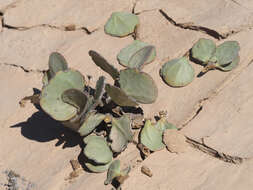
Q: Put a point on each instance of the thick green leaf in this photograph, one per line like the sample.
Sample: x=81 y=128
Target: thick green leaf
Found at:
x=177 y=72
x=97 y=168
x=203 y=50
x=120 y=133
x=104 y=65
x=151 y=137
x=121 y=24
x=56 y=63
x=134 y=56
x=75 y=98
x=231 y=66
x=227 y=52
x=91 y=121
x=51 y=100
x=100 y=86
x=141 y=57
x=163 y=124
x=138 y=85
x=113 y=171
x=97 y=150
x=119 y=96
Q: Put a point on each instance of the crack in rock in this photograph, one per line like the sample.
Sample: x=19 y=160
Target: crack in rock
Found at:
x=71 y=27
x=191 y=26
x=195 y=113
x=23 y=68
x=214 y=153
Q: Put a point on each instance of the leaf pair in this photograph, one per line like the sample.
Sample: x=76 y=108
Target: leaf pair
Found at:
x=151 y=135
x=114 y=171
x=62 y=97
x=98 y=151
x=135 y=86
x=224 y=57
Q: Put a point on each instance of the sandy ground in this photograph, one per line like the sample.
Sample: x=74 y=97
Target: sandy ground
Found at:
x=215 y=110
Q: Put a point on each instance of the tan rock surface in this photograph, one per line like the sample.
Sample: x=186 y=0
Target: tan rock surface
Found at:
x=39 y=149
x=191 y=170
x=31 y=48
x=89 y=14
x=225 y=122
x=216 y=16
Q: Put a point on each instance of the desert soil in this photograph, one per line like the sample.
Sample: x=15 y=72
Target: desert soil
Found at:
x=214 y=111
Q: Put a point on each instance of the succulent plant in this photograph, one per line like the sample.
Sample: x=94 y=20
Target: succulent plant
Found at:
x=177 y=72
x=120 y=133
x=136 y=55
x=64 y=99
x=98 y=151
x=224 y=57
x=135 y=86
x=151 y=137
x=114 y=171
x=121 y=24
x=163 y=125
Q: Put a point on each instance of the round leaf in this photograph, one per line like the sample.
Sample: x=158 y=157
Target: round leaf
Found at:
x=121 y=24
x=203 y=50
x=151 y=137
x=178 y=72
x=56 y=63
x=119 y=96
x=231 y=66
x=134 y=56
x=97 y=168
x=138 y=85
x=75 y=98
x=97 y=150
x=227 y=52
x=51 y=100
x=120 y=133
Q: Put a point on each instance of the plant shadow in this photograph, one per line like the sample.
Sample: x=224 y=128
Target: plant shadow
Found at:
x=41 y=127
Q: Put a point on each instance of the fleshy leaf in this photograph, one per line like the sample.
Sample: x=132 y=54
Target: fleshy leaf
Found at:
x=151 y=137
x=104 y=65
x=138 y=85
x=231 y=66
x=75 y=98
x=97 y=168
x=113 y=171
x=51 y=100
x=203 y=50
x=119 y=96
x=56 y=63
x=134 y=56
x=121 y=24
x=120 y=133
x=97 y=150
x=227 y=52
x=163 y=124
x=91 y=121
x=100 y=85
x=178 y=72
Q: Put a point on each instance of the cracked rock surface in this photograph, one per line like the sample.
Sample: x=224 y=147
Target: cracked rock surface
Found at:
x=213 y=112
